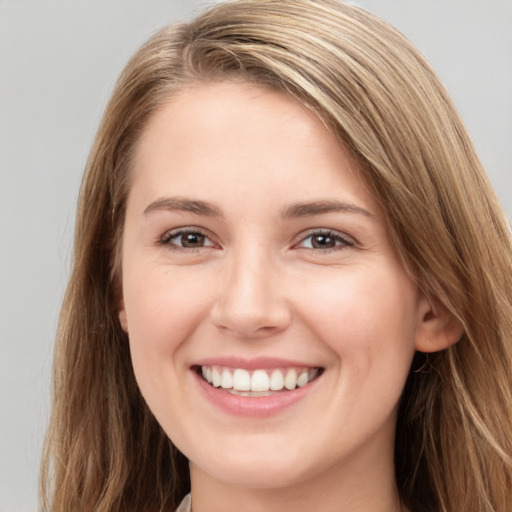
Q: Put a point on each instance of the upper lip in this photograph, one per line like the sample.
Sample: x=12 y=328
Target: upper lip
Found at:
x=255 y=363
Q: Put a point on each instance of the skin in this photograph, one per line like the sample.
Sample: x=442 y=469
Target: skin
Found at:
x=257 y=285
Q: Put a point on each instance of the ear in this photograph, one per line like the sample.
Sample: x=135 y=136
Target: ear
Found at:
x=438 y=328
x=123 y=320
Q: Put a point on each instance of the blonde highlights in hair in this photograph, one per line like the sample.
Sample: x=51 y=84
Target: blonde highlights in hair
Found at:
x=105 y=451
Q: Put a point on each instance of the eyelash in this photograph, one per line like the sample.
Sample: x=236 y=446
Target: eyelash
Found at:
x=180 y=232
x=341 y=241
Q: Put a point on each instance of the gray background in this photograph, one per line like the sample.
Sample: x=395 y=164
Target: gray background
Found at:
x=58 y=62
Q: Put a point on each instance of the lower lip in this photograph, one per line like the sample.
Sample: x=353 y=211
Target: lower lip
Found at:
x=253 y=406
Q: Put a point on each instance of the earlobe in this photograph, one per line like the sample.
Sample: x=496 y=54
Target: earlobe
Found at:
x=439 y=329
x=123 y=320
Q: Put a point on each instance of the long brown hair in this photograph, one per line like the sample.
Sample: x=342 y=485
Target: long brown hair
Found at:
x=105 y=451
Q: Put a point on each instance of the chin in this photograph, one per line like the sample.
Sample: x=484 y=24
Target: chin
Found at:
x=262 y=469
x=264 y=477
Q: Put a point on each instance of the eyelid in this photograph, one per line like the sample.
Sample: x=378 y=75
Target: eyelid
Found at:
x=346 y=240
x=165 y=239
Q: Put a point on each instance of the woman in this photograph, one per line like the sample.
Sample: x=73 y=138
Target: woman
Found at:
x=292 y=281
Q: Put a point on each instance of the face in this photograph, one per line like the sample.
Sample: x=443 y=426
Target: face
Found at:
x=271 y=324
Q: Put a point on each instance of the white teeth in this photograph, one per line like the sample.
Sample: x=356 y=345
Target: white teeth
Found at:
x=276 y=380
x=250 y=393
x=241 y=380
x=227 y=379
x=303 y=379
x=216 y=378
x=260 y=381
x=290 y=381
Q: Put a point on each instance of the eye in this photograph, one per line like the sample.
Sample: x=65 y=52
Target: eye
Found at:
x=325 y=240
x=186 y=239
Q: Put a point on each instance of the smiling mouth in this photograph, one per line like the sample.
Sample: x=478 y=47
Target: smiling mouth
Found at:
x=264 y=382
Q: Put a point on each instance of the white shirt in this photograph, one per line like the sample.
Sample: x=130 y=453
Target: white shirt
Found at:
x=185 y=505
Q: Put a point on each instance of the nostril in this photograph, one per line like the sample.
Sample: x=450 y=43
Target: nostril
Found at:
x=251 y=302
x=247 y=322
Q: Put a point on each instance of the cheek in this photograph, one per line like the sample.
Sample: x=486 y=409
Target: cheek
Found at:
x=368 y=325
x=162 y=313
x=368 y=320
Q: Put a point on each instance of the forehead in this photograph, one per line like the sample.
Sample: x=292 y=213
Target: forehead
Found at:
x=238 y=138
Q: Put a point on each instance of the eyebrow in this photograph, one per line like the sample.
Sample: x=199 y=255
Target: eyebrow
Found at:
x=184 y=205
x=295 y=210
x=319 y=207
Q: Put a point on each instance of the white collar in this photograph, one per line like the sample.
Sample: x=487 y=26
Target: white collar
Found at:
x=185 y=505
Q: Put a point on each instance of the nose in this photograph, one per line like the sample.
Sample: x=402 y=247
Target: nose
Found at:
x=251 y=303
